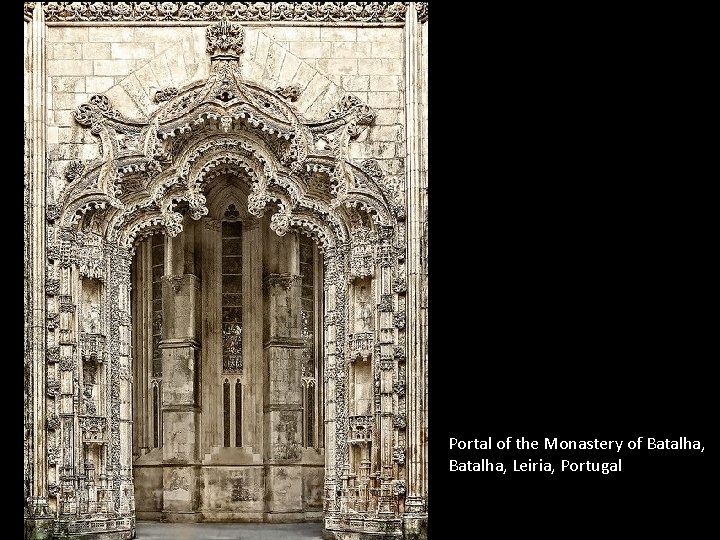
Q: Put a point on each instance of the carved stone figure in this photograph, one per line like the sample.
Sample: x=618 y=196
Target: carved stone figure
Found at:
x=363 y=311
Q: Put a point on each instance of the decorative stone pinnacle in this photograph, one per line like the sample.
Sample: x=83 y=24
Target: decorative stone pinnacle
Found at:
x=225 y=39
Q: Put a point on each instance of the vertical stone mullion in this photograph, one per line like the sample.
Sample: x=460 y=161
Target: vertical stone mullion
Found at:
x=147 y=345
x=319 y=348
x=384 y=416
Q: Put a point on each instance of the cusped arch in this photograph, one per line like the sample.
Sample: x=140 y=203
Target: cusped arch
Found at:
x=223 y=193
x=300 y=169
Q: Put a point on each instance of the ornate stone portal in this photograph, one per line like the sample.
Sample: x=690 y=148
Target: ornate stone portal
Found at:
x=154 y=177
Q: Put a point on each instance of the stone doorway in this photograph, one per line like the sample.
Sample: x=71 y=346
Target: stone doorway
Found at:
x=227 y=341
x=125 y=400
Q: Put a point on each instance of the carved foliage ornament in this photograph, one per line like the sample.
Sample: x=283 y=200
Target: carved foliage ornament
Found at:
x=225 y=39
x=93 y=113
x=52 y=354
x=284 y=281
x=381 y=12
x=165 y=94
x=74 y=170
x=291 y=93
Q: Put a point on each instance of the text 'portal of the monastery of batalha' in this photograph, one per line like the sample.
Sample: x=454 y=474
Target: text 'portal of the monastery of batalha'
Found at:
x=225 y=266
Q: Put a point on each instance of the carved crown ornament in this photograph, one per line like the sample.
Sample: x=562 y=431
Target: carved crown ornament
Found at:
x=149 y=166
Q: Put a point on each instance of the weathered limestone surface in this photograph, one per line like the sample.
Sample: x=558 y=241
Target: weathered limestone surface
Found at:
x=144 y=119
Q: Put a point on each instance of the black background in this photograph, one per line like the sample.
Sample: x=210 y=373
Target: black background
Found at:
x=571 y=264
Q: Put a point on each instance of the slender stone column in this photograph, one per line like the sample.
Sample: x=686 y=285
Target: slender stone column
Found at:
x=212 y=331
x=415 y=497
x=253 y=361
x=180 y=388
x=329 y=369
x=37 y=506
x=283 y=346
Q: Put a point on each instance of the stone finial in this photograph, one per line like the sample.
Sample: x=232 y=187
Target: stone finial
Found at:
x=225 y=39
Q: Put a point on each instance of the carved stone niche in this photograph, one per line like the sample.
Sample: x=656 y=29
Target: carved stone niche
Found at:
x=361 y=345
x=93 y=428
x=361 y=429
x=93 y=343
x=362 y=339
x=362 y=252
x=93 y=347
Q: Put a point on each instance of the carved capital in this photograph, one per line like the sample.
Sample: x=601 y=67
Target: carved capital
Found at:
x=362 y=253
x=280 y=223
x=256 y=204
x=211 y=224
x=52 y=286
x=399 y=285
x=53 y=320
x=52 y=354
x=175 y=282
x=67 y=363
x=93 y=347
x=386 y=364
x=53 y=422
x=399 y=387
x=38 y=507
x=29 y=8
x=422 y=11
x=52 y=387
x=66 y=304
x=283 y=281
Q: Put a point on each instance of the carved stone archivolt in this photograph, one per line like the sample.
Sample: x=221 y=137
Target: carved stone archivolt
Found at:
x=155 y=171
